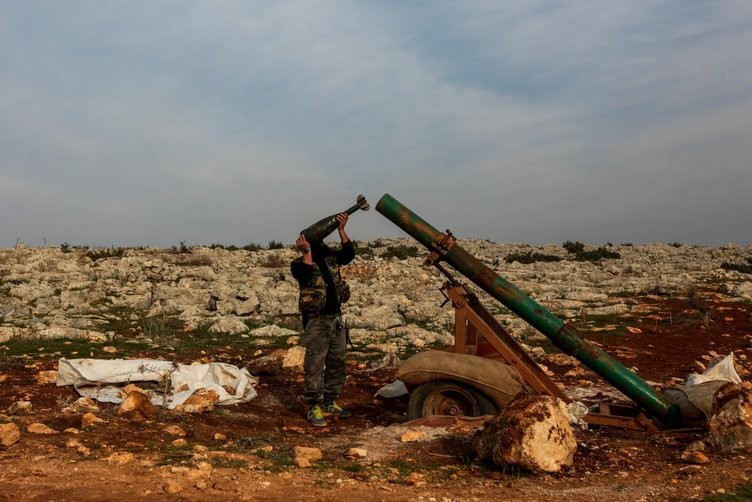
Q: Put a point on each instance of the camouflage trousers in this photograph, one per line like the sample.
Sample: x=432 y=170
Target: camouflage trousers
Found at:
x=324 y=364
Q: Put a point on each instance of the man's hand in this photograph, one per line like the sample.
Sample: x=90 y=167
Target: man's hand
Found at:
x=342 y=219
x=302 y=244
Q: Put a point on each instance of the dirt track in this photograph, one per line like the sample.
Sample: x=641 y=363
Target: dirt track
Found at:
x=244 y=451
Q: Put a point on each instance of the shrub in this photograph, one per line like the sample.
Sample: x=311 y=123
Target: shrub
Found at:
x=530 y=257
x=580 y=254
x=401 y=252
x=596 y=254
x=739 y=267
x=573 y=247
x=101 y=254
x=363 y=249
x=275 y=244
x=252 y=247
x=181 y=248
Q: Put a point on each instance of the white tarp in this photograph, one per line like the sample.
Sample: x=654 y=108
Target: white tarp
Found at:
x=695 y=397
x=102 y=379
x=721 y=370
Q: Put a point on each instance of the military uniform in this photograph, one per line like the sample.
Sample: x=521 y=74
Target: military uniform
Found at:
x=322 y=291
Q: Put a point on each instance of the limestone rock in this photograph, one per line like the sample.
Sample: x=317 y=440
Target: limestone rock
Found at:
x=82 y=404
x=20 y=408
x=695 y=457
x=136 y=405
x=174 y=430
x=730 y=429
x=412 y=436
x=354 y=453
x=533 y=432
x=172 y=487
x=89 y=419
x=294 y=358
x=9 y=434
x=121 y=457
x=228 y=326
x=45 y=377
x=267 y=365
x=200 y=401
x=39 y=428
x=304 y=456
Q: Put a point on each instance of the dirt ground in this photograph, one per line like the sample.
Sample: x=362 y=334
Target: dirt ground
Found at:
x=245 y=451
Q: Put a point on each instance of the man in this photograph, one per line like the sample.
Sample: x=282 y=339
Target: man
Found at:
x=322 y=291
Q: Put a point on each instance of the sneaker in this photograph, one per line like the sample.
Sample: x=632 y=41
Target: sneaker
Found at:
x=316 y=416
x=335 y=409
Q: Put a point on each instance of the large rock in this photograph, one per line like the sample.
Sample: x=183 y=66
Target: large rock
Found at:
x=136 y=405
x=9 y=434
x=730 y=428
x=304 y=456
x=533 y=432
x=200 y=401
x=229 y=326
x=294 y=358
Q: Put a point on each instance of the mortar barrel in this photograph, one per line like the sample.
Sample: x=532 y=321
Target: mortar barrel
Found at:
x=564 y=336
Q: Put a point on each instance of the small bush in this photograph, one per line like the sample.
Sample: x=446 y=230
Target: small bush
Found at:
x=596 y=254
x=573 y=247
x=530 y=257
x=739 y=267
x=252 y=247
x=401 y=252
x=275 y=244
x=181 y=248
x=580 y=254
x=101 y=254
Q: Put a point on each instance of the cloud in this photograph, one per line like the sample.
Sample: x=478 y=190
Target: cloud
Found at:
x=150 y=123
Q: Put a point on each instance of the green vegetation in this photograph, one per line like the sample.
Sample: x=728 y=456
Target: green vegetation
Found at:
x=363 y=249
x=275 y=244
x=530 y=257
x=401 y=252
x=740 y=494
x=104 y=253
x=581 y=254
x=177 y=455
x=573 y=247
x=228 y=463
x=596 y=254
x=745 y=268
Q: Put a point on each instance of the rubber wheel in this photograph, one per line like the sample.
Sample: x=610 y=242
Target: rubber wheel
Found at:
x=444 y=397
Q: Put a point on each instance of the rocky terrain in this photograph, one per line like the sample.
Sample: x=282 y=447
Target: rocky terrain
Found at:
x=395 y=303
x=663 y=310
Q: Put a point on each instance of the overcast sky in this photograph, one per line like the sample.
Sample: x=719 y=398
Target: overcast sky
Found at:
x=128 y=123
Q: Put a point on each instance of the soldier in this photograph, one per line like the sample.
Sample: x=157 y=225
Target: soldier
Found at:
x=322 y=291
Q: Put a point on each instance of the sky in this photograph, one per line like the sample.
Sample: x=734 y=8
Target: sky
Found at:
x=155 y=122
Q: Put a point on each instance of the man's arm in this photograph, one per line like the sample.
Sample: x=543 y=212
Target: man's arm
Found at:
x=302 y=270
x=347 y=253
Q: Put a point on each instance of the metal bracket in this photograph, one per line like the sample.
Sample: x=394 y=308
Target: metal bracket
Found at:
x=440 y=247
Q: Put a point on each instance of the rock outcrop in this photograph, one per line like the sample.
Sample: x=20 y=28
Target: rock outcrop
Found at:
x=395 y=303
